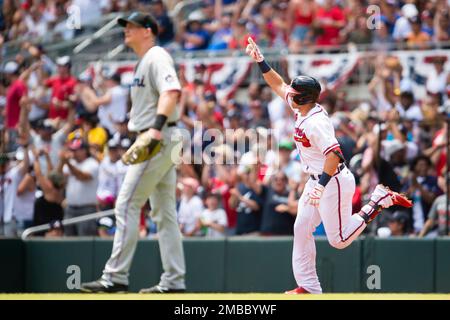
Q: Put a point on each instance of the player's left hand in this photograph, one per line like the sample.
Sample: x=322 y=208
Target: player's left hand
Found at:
x=146 y=146
x=315 y=195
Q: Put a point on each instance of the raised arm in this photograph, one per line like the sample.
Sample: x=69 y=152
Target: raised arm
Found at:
x=273 y=79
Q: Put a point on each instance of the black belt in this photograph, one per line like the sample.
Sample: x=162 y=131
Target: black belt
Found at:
x=169 y=124
x=339 y=169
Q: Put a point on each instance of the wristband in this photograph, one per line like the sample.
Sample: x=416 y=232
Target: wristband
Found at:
x=160 y=121
x=324 y=179
x=264 y=66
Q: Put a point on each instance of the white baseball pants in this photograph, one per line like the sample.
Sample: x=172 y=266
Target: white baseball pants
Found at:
x=341 y=227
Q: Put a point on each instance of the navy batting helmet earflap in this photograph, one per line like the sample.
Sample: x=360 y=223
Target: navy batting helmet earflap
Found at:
x=308 y=89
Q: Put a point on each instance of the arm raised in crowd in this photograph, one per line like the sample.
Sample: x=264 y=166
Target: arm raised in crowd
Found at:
x=42 y=180
x=91 y=101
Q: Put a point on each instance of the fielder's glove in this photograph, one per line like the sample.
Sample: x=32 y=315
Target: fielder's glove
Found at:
x=253 y=51
x=315 y=195
x=144 y=148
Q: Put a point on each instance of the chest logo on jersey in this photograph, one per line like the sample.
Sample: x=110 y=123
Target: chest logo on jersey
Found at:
x=138 y=82
x=300 y=136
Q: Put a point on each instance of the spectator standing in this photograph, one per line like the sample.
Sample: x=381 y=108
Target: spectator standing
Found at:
x=108 y=180
x=81 y=171
x=329 y=21
x=11 y=175
x=277 y=219
x=213 y=218
x=417 y=38
x=48 y=207
x=407 y=108
x=422 y=188
x=438 y=76
x=221 y=39
x=438 y=213
x=301 y=14
x=112 y=106
x=195 y=36
x=35 y=23
x=45 y=137
x=26 y=189
x=191 y=206
x=166 y=33
x=248 y=204
x=402 y=27
x=15 y=92
x=62 y=86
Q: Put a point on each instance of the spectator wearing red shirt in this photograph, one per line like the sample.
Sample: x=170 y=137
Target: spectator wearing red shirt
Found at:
x=300 y=18
x=62 y=86
x=16 y=90
x=330 y=20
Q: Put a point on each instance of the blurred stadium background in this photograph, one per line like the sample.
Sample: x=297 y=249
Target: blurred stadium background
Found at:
x=65 y=74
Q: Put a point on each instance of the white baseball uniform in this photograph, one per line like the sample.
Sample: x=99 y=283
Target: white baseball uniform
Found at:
x=314 y=137
x=155 y=178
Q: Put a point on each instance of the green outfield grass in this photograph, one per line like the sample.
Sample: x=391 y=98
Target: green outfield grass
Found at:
x=225 y=296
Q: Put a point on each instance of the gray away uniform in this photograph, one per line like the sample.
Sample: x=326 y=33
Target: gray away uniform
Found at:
x=155 y=178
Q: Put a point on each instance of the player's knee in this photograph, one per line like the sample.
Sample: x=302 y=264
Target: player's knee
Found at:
x=337 y=243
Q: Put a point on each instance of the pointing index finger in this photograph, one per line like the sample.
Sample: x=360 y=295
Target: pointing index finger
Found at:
x=251 y=42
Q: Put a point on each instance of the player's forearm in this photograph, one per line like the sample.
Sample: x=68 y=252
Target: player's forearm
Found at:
x=273 y=79
x=331 y=164
x=166 y=106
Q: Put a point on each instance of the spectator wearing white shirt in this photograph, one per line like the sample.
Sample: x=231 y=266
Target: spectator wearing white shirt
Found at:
x=406 y=107
x=213 y=218
x=81 y=171
x=437 y=78
x=111 y=107
x=90 y=14
x=11 y=175
x=114 y=106
x=44 y=137
x=108 y=182
x=402 y=27
x=190 y=209
x=36 y=24
x=25 y=195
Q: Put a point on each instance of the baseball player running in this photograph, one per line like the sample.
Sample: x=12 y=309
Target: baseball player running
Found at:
x=151 y=171
x=327 y=196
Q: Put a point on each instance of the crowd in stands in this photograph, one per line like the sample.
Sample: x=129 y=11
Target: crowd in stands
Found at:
x=225 y=24
x=64 y=134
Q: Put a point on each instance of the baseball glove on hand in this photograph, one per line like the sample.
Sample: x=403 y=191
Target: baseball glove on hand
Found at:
x=144 y=148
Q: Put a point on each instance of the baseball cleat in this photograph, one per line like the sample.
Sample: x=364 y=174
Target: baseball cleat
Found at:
x=298 y=290
x=103 y=286
x=160 y=289
x=385 y=197
x=382 y=197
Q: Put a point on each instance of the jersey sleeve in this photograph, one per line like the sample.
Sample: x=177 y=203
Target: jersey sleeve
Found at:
x=322 y=136
x=163 y=76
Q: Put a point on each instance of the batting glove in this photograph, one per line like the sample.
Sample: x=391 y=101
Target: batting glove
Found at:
x=315 y=195
x=253 y=51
